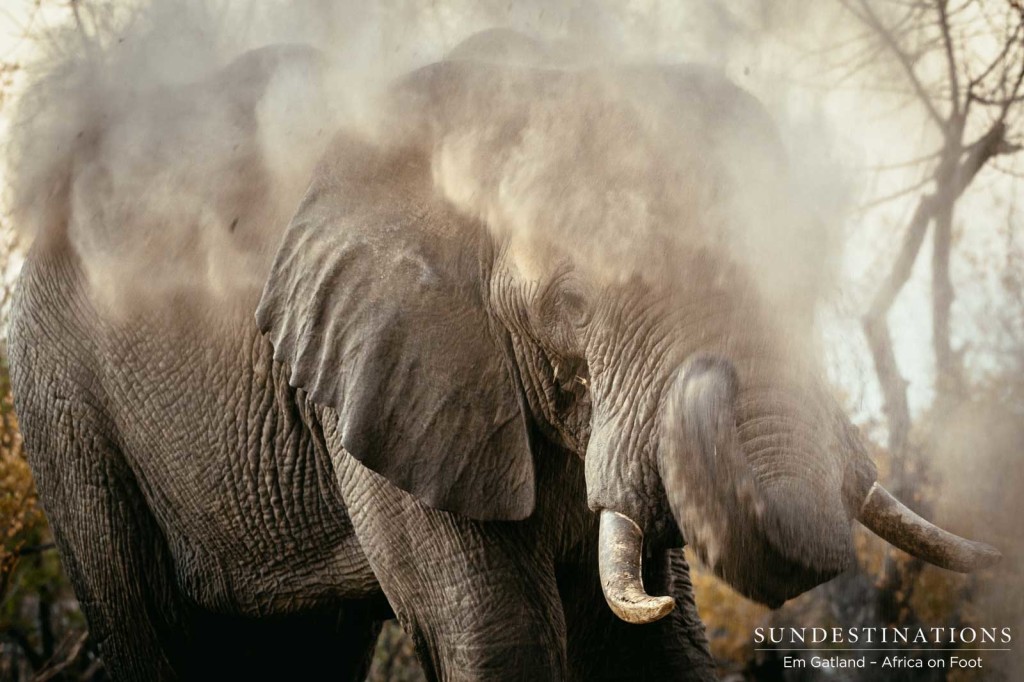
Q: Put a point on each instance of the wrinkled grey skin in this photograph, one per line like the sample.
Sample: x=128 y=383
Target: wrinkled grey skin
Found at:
x=201 y=507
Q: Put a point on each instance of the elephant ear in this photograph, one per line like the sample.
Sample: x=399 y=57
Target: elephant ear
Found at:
x=376 y=303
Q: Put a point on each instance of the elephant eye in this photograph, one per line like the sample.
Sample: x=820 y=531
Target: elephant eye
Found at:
x=564 y=304
x=575 y=306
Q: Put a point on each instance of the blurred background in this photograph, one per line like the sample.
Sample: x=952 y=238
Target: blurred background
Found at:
x=904 y=123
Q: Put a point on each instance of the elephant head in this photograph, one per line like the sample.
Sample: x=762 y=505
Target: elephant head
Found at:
x=523 y=253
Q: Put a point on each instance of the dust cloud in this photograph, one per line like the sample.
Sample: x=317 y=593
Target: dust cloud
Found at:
x=975 y=455
x=169 y=162
x=173 y=165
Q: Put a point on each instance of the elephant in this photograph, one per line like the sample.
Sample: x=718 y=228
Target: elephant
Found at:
x=503 y=362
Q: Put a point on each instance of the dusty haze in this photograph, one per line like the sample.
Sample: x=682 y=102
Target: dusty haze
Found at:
x=134 y=129
x=143 y=134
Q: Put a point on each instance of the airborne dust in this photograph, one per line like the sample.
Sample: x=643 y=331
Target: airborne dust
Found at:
x=135 y=125
x=124 y=116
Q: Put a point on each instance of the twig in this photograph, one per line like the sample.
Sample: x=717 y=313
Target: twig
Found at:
x=947 y=42
x=34 y=549
x=54 y=669
x=868 y=16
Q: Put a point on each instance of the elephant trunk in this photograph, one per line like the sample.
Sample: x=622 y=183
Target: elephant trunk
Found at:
x=769 y=539
x=748 y=484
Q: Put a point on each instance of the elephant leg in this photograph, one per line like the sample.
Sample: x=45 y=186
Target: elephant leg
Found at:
x=479 y=600
x=112 y=550
x=603 y=647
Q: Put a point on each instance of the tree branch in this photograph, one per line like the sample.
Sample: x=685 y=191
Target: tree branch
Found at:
x=54 y=669
x=949 y=377
x=875 y=23
x=904 y=261
x=34 y=549
x=876 y=328
x=898 y=194
x=947 y=43
x=1010 y=41
x=993 y=143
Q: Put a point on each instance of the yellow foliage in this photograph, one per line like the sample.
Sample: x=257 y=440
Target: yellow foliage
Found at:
x=938 y=595
x=21 y=518
x=730 y=619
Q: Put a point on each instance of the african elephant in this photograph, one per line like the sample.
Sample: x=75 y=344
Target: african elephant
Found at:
x=508 y=356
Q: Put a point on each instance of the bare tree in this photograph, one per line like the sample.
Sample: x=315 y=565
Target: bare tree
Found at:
x=976 y=107
x=962 y=66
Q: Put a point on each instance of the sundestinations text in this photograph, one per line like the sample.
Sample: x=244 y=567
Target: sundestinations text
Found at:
x=883 y=635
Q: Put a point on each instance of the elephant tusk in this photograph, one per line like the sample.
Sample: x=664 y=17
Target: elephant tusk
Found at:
x=892 y=521
x=620 y=542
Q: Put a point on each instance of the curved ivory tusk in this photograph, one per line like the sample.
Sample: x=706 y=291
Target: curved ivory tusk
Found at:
x=620 y=543
x=890 y=519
